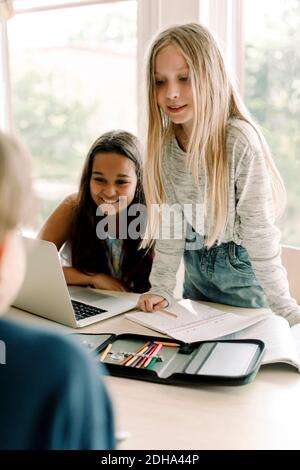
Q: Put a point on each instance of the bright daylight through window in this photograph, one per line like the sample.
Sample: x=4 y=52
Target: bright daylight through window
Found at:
x=73 y=73
x=272 y=92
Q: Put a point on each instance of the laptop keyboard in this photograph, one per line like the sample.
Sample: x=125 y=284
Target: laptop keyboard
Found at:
x=85 y=311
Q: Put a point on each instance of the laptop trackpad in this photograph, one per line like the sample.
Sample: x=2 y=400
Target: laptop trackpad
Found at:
x=99 y=299
x=88 y=296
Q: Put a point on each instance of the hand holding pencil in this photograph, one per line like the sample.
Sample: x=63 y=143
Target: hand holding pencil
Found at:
x=152 y=303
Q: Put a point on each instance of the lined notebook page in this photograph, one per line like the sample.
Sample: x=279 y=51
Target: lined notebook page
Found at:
x=194 y=321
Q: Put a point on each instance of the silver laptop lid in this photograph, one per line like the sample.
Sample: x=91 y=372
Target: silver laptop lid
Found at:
x=44 y=291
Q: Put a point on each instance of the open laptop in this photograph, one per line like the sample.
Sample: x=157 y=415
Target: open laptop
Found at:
x=45 y=292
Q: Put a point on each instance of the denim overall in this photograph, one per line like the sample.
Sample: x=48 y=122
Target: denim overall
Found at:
x=220 y=274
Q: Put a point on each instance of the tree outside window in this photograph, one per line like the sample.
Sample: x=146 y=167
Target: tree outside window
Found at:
x=272 y=92
x=73 y=77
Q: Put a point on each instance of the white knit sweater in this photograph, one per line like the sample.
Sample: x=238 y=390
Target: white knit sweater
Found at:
x=250 y=218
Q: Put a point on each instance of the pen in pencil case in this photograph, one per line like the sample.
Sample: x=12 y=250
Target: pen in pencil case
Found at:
x=134 y=354
x=145 y=355
x=153 y=361
x=164 y=343
x=136 y=357
x=130 y=359
x=153 y=353
x=120 y=355
x=144 y=359
x=142 y=355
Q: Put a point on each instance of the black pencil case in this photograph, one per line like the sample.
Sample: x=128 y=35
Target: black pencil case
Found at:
x=224 y=362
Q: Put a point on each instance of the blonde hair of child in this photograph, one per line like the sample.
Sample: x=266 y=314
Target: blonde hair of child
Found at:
x=215 y=99
x=15 y=184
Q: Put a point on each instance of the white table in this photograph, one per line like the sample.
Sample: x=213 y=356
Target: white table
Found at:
x=264 y=414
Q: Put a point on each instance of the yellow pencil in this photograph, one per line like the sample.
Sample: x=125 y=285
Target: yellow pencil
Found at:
x=127 y=359
x=105 y=352
x=172 y=314
x=136 y=355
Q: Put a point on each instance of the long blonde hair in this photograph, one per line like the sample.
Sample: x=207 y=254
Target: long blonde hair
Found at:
x=215 y=100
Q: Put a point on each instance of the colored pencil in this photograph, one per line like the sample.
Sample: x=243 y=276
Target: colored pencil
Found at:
x=105 y=352
x=172 y=314
x=153 y=361
x=164 y=343
x=133 y=355
x=142 y=356
x=136 y=356
x=144 y=359
x=153 y=353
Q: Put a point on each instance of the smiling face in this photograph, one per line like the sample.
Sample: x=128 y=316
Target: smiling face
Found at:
x=113 y=177
x=173 y=86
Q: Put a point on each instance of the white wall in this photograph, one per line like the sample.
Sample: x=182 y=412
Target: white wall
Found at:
x=153 y=16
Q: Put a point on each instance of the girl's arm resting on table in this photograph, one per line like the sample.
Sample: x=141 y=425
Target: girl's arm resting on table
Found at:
x=260 y=236
x=167 y=256
x=98 y=281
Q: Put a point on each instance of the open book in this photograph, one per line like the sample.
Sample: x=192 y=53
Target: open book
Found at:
x=197 y=322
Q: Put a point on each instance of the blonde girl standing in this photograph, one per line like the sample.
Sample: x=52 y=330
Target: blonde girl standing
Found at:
x=204 y=151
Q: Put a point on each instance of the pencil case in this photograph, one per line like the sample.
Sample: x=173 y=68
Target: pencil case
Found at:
x=224 y=362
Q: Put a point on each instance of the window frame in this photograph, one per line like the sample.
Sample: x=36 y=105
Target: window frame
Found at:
x=6 y=121
x=60 y=5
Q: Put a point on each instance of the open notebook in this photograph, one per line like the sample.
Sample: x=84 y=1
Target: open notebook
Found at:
x=194 y=321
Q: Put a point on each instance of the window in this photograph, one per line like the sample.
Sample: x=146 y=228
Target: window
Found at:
x=73 y=77
x=272 y=92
